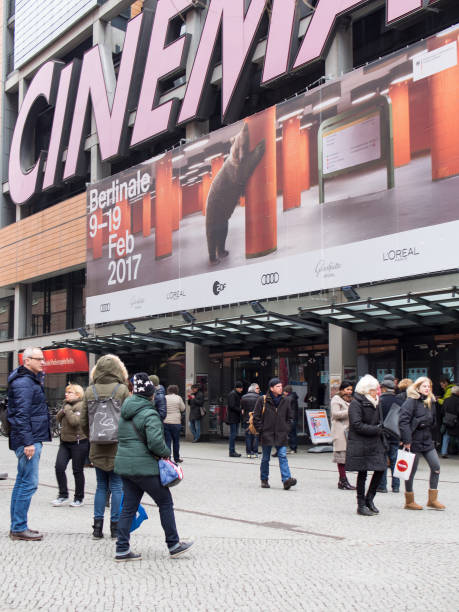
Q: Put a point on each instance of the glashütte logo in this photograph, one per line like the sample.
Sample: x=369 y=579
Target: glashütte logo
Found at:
x=400 y=254
x=105 y=307
x=326 y=269
x=218 y=287
x=270 y=279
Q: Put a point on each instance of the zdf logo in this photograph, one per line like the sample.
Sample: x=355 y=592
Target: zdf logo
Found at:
x=270 y=279
x=218 y=287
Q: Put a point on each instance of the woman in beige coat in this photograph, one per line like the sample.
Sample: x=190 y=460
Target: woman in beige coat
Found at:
x=339 y=408
x=173 y=421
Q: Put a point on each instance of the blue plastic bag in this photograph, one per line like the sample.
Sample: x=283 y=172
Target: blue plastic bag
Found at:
x=139 y=518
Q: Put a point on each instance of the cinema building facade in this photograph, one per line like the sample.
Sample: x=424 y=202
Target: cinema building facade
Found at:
x=231 y=189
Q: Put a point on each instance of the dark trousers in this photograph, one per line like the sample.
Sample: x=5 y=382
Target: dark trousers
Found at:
x=77 y=452
x=251 y=443
x=172 y=434
x=293 y=437
x=134 y=487
x=374 y=483
x=232 y=437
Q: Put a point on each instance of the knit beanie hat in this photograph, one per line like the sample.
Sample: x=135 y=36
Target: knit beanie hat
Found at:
x=142 y=385
x=273 y=382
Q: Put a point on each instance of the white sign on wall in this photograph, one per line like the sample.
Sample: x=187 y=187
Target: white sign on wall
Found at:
x=356 y=143
x=427 y=64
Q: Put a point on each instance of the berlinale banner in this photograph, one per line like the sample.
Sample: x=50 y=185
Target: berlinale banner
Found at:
x=352 y=182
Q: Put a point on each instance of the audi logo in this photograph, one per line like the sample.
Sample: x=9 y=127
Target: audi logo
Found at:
x=105 y=307
x=270 y=279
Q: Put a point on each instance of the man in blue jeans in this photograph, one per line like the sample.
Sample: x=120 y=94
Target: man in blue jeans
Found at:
x=29 y=421
x=273 y=418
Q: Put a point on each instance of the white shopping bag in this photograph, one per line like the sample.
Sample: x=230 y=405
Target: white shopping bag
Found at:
x=404 y=464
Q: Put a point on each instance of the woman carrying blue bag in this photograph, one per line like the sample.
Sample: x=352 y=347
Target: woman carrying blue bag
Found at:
x=140 y=444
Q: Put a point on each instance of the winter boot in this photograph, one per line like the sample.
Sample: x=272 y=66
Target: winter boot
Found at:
x=97 y=527
x=113 y=530
x=433 y=502
x=410 y=504
x=348 y=486
x=369 y=503
x=362 y=508
x=342 y=483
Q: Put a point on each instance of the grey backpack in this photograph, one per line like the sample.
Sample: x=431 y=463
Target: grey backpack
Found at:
x=103 y=415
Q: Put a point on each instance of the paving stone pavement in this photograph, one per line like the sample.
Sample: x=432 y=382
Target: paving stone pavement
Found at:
x=303 y=549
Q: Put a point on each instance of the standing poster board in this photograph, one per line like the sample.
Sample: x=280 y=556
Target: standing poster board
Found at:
x=319 y=428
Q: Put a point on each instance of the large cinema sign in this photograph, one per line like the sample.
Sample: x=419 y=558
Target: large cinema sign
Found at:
x=150 y=57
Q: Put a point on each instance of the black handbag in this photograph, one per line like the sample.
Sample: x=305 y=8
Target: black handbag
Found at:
x=390 y=423
x=450 y=420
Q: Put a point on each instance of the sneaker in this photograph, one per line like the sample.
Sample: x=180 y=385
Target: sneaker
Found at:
x=129 y=556
x=181 y=548
x=179 y=460
x=382 y=490
x=235 y=454
x=395 y=490
x=290 y=482
x=77 y=503
x=60 y=501
x=249 y=456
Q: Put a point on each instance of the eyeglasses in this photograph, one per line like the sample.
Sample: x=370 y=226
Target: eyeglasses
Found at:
x=37 y=358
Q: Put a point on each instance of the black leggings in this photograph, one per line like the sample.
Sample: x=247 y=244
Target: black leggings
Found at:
x=434 y=463
x=374 y=483
x=77 y=452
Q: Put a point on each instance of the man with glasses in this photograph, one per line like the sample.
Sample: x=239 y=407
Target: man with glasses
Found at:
x=29 y=421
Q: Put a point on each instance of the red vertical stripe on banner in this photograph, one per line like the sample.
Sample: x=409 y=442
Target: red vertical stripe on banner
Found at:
x=146 y=215
x=444 y=96
x=163 y=235
x=291 y=161
x=401 y=118
x=261 y=192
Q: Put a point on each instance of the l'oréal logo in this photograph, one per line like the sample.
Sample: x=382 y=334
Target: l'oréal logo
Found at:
x=395 y=255
x=326 y=269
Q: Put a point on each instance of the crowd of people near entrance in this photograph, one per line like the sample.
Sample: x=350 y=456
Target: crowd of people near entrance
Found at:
x=148 y=429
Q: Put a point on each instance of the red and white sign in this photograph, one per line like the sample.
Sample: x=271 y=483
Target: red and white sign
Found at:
x=63 y=361
x=402 y=465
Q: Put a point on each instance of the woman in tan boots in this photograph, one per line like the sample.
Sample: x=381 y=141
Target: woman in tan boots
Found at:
x=417 y=419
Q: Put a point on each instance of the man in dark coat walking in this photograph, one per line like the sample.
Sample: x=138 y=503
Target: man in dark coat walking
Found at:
x=273 y=418
x=29 y=421
x=248 y=402
x=234 y=416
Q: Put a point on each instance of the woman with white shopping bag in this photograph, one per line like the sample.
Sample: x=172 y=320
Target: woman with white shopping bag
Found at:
x=417 y=419
x=365 y=447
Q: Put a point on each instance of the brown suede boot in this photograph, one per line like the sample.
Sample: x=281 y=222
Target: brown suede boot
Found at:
x=433 y=503
x=410 y=504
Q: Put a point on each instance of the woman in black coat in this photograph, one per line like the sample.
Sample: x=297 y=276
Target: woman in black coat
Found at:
x=365 y=448
x=195 y=402
x=417 y=421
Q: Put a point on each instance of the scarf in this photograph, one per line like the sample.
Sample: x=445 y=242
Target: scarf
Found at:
x=276 y=399
x=372 y=399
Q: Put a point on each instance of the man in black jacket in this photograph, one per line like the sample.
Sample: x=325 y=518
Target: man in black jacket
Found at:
x=28 y=417
x=234 y=416
x=273 y=418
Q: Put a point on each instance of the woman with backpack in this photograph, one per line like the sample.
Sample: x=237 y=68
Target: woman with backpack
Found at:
x=107 y=391
x=417 y=420
x=141 y=444
x=74 y=446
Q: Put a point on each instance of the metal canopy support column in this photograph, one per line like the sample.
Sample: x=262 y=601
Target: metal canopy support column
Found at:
x=342 y=350
x=196 y=362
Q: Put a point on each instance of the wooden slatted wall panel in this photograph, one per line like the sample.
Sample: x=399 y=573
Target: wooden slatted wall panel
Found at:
x=49 y=241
